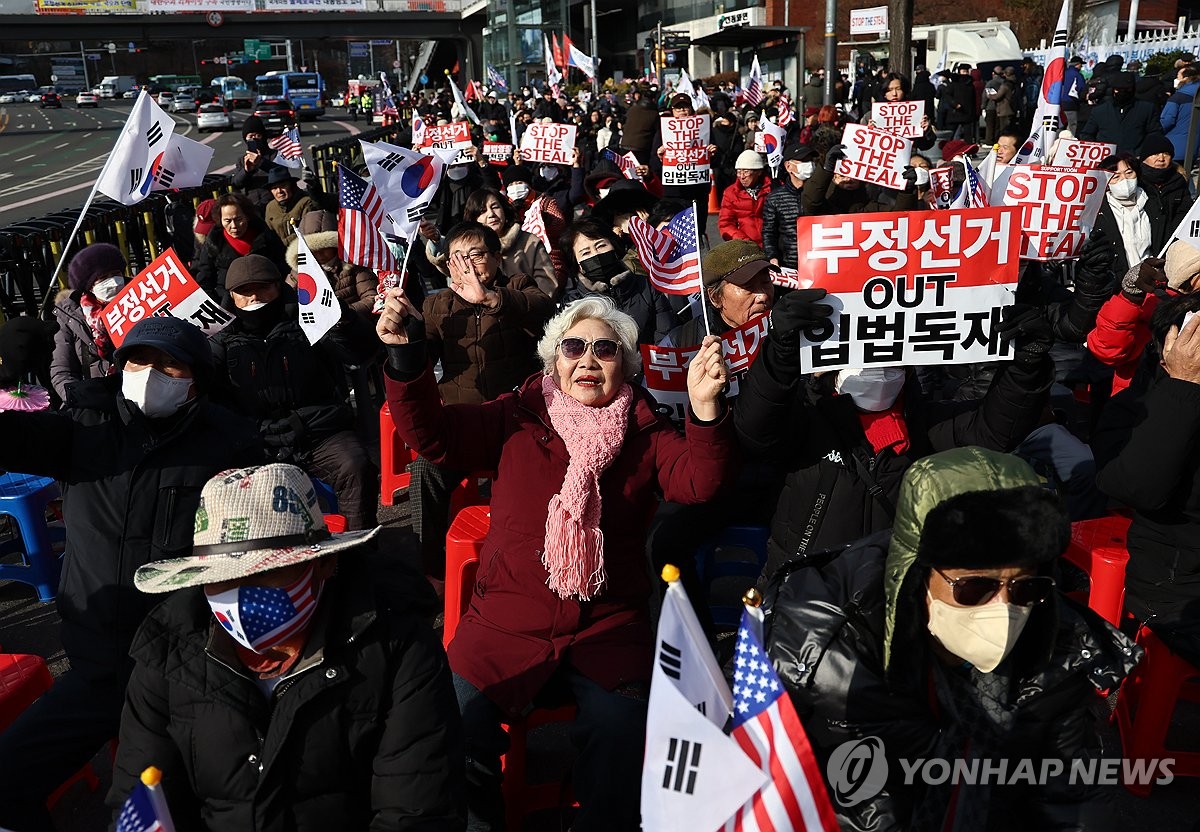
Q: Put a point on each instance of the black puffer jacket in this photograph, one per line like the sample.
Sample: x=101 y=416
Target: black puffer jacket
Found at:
x=214 y=257
x=130 y=492
x=364 y=734
x=272 y=377
x=819 y=438
x=635 y=297
x=1161 y=227
x=822 y=197
x=783 y=206
x=826 y=637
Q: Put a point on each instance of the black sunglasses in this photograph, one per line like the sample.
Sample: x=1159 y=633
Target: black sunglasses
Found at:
x=606 y=349
x=973 y=590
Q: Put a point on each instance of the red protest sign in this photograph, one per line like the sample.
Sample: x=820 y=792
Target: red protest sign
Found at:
x=1080 y=155
x=163 y=288
x=455 y=134
x=548 y=144
x=665 y=368
x=909 y=288
x=498 y=153
x=1058 y=206
x=874 y=156
x=900 y=117
x=685 y=150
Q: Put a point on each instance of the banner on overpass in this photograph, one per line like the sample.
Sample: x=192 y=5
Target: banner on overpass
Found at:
x=84 y=6
x=315 y=6
x=200 y=6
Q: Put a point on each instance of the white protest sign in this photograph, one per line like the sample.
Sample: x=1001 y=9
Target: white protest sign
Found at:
x=874 y=156
x=548 y=143
x=685 y=150
x=909 y=288
x=1058 y=207
x=903 y=118
x=456 y=136
x=1080 y=155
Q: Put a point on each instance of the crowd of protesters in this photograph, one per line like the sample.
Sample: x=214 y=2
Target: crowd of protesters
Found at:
x=916 y=515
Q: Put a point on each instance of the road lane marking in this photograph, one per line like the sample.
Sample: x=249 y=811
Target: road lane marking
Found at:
x=23 y=158
x=61 y=146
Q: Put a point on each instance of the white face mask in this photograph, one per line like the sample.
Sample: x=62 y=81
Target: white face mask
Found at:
x=517 y=190
x=982 y=635
x=254 y=307
x=106 y=289
x=155 y=393
x=457 y=173
x=1123 y=188
x=872 y=388
x=604 y=192
x=548 y=172
x=802 y=170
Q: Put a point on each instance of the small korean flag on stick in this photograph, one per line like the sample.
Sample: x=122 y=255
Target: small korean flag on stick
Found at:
x=319 y=308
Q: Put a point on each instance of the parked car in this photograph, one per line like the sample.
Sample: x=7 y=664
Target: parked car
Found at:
x=8 y=98
x=277 y=114
x=213 y=117
x=86 y=99
x=50 y=99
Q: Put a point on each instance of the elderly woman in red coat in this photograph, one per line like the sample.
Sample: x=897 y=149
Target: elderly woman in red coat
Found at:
x=561 y=597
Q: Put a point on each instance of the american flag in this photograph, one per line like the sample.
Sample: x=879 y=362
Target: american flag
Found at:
x=767 y=728
x=627 y=162
x=496 y=79
x=360 y=216
x=534 y=223
x=288 y=144
x=754 y=91
x=671 y=256
x=784 y=106
x=144 y=809
x=267 y=616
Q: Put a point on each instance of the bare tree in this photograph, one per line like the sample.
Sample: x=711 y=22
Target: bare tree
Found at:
x=900 y=20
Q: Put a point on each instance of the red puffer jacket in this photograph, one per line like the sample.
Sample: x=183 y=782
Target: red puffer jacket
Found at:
x=1120 y=336
x=517 y=631
x=741 y=214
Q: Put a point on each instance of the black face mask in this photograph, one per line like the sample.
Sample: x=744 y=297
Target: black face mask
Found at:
x=603 y=269
x=1123 y=98
x=262 y=320
x=254 y=145
x=1155 y=176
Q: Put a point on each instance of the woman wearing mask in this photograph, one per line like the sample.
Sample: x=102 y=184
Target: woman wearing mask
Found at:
x=519 y=188
x=521 y=252
x=897 y=87
x=1135 y=224
x=601 y=265
x=82 y=346
x=239 y=231
x=1163 y=179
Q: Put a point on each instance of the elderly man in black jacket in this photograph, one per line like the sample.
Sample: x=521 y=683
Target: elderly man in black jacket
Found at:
x=785 y=204
x=267 y=369
x=945 y=642
x=1122 y=119
x=332 y=710
x=132 y=452
x=847 y=437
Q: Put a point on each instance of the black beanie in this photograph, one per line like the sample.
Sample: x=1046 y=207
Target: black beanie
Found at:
x=992 y=529
x=253 y=124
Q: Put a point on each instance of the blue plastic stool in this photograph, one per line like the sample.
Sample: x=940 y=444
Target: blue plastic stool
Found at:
x=24 y=497
x=326 y=495
x=752 y=539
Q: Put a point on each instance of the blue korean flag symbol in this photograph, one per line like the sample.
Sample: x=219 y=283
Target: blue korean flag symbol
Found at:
x=1052 y=81
x=306 y=289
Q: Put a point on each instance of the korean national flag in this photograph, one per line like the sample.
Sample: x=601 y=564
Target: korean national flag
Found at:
x=129 y=173
x=320 y=309
x=405 y=181
x=695 y=776
x=183 y=165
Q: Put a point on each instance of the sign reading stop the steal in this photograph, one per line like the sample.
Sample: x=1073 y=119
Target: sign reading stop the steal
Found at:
x=1080 y=155
x=874 y=156
x=1058 y=207
x=548 y=144
x=900 y=117
x=685 y=150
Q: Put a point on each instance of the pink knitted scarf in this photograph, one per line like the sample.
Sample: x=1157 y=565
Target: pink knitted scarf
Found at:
x=574 y=550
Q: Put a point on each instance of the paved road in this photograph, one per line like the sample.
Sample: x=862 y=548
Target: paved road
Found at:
x=50 y=158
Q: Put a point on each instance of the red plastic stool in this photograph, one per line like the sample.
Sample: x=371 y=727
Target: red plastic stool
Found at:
x=464 y=542
x=23 y=679
x=336 y=523
x=1146 y=703
x=394 y=457
x=1098 y=548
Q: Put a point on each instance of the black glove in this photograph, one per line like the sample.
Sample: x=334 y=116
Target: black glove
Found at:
x=1147 y=276
x=833 y=155
x=958 y=175
x=407 y=361
x=282 y=433
x=910 y=178
x=795 y=312
x=1093 y=269
x=1027 y=329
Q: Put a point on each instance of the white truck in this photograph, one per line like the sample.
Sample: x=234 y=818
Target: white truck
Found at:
x=114 y=86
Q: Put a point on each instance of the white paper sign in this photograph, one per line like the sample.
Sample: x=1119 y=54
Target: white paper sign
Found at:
x=685 y=146
x=874 y=156
x=902 y=118
x=1058 y=207
x=1080 y=155
x=548 y=144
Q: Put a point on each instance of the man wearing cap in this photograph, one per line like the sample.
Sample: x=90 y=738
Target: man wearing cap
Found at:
x=962 y=113
x=132 y=453
x=1122 y=119
x=287 y=204
x=283 y=685
x=738 y=287
x=742 y=202
x=785 y=203
x=946 y=638
x=266 y=369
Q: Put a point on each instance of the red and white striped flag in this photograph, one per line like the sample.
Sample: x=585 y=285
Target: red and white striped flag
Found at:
x=671 y=256
x=767 y=728
x=754 y=90
x=784 y=106
x=627 y=162
x=287 y=144
x=535 y=223
x=360 y=217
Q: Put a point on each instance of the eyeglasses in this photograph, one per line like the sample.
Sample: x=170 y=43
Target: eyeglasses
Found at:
x=476 y=257
x=974 y=590
x=606 y=349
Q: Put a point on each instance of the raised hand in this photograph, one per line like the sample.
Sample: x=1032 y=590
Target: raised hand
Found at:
x=707 y=379
x=392 y=324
